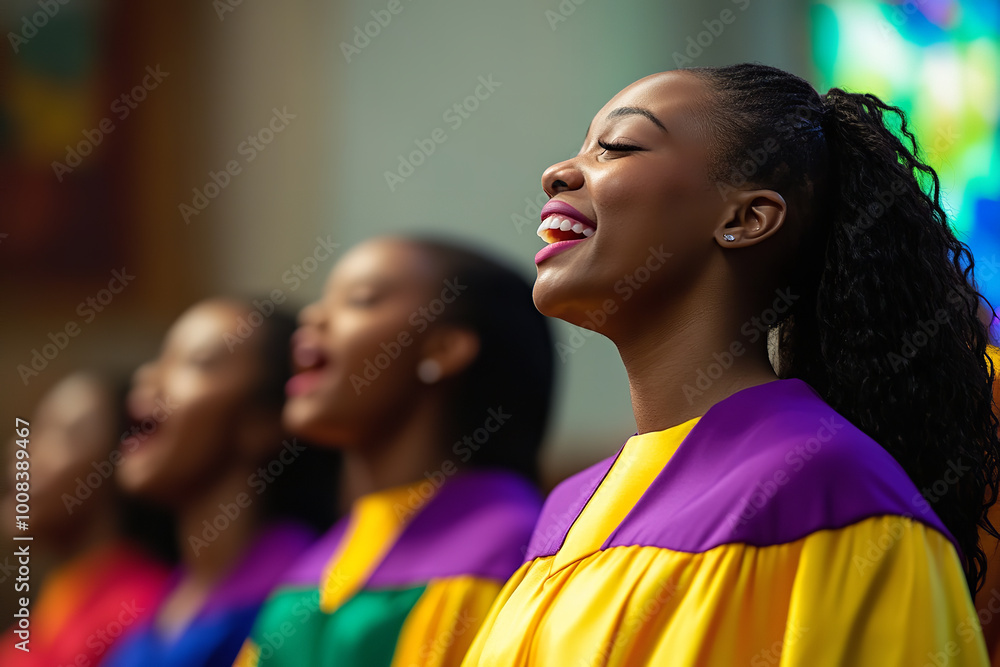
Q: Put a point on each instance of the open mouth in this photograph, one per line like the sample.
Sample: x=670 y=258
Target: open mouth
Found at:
x=308 y=362
x=562 y=228
x=143 y=428
x=556 y=228
x=307 y=358
x=562 y=222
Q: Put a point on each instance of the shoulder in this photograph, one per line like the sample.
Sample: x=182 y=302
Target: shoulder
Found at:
x=307 y=570
x=562 y=507
x=477 y=524
x=770 y=465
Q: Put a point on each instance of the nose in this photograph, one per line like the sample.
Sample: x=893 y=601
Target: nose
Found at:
x=311 y=315
x=561 y=177
x=143 y=392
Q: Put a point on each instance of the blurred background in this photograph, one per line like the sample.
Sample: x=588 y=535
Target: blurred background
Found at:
x=155 y=153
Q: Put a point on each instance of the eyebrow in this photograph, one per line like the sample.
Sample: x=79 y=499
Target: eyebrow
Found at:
x=636 y=111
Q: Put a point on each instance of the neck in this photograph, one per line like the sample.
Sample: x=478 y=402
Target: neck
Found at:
x=691 y=358
x=86 y=532
x=400 y=456
x=208 y=553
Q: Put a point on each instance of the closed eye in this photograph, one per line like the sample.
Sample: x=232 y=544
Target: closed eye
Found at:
x=619 y=147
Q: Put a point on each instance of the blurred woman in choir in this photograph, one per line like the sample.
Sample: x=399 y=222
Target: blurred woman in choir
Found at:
x=426 y=365
x=207 y=443
x=88 y=583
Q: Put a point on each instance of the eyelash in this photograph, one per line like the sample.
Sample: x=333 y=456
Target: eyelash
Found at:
x=363 y=300
x=618 y=148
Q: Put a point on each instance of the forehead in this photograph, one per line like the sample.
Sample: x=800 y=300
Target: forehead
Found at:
x=388 y=259
x=72 y=399
x=203 y=323
x=676 y=98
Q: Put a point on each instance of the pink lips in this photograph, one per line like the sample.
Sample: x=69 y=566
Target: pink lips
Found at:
x=302 y=383
x=556 y=207
x=555 y=248
x=309 y=362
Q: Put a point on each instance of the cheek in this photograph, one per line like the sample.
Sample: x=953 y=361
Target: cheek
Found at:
x=645 y=193
x=383 y=351
x=194 y=436
x=54 y=465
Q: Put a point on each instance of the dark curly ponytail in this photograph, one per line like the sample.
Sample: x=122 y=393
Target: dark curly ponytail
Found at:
x=886 y=329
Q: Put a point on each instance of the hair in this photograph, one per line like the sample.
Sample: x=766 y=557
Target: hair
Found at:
x=305 y=490
x=886 y=328
x=513 y=372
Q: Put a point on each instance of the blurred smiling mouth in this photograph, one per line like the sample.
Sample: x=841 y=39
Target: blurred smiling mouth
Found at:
x=308 y=362
x=562 y=228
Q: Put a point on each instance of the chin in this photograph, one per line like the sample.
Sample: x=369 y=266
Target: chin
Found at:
x=556 y=301
x=296 y=417
x=302 y=422
x=549 y=299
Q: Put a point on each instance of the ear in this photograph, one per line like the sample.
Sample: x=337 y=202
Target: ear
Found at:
x=453 y=348
x=752 y=216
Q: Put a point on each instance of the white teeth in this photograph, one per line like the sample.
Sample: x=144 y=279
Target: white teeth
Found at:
x=564 y=224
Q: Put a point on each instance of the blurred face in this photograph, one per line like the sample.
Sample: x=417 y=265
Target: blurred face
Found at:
x=358 y=347
x=72 y=430
x=637 y=191
x=187 y=405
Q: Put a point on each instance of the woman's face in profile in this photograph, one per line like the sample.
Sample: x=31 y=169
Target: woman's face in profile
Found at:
x=72 y=436
x=641 y=178
x=188 y=403
x=358 y=347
